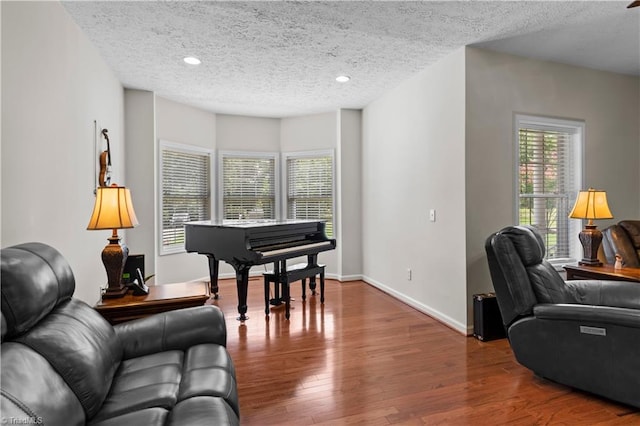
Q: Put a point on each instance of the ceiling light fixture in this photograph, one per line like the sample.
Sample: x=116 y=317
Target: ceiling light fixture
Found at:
x=192 y=60
x=343 y=78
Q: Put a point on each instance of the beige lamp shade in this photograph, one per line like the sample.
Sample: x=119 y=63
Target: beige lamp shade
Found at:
x=591 y=204
x=113 y=209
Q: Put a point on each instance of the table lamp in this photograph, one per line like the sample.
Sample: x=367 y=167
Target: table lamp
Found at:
x=113 y=210
x=591 y=204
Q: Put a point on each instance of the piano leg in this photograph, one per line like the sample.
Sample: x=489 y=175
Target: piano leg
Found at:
x=312 y=260
x=242 y=282
x=213 y=275
x=277 y=298
x=284 y=278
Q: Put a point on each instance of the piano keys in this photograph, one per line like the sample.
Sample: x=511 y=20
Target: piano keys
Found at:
x=244 y=243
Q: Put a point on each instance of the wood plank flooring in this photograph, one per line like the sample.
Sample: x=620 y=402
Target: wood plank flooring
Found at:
x=366 y=358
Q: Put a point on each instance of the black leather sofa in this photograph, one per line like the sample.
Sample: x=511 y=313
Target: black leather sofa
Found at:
x=585 y=334
x=622 y=238
x=63 y=364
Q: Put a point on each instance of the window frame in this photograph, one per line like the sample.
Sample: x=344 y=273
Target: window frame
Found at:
x=285 y=179
x=578 y=130
x=222 y=154
x=164 y=144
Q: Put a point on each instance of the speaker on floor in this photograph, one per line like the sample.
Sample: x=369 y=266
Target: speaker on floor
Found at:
x=487 y=321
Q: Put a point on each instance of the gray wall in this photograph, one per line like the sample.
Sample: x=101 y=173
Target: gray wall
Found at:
x=499 y=85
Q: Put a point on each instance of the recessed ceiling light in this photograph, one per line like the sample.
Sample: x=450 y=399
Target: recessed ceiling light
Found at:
x=343 y=78
x=192 y=60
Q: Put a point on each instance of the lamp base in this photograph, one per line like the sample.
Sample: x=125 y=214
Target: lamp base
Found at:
x=114 y=257
x=114 y=293
x=590 y=237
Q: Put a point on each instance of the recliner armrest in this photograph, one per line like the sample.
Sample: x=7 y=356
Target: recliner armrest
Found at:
x=622 y=294
x=172 y=330
x=588 y=314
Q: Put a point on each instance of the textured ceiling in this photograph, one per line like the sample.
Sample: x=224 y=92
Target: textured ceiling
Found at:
x=278 y=59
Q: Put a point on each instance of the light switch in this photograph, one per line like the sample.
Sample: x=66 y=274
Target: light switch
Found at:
x=432 y=215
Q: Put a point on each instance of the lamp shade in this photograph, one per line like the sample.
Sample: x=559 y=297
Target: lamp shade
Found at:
x=113 y=209
x=591 y=204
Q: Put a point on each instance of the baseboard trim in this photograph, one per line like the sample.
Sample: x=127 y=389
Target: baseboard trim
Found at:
x=345 y=278
x=435 y=314
x=467 y=330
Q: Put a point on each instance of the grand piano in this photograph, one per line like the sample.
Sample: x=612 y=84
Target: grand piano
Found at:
x=244 y=243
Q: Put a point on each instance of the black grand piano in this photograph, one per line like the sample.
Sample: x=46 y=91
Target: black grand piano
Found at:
x=244 y=243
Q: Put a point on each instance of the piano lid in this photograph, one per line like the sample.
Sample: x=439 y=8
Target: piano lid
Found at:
x=251 y=223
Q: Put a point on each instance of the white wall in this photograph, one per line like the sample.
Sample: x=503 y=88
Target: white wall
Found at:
x=140 y=134
x=240 y=133
x=191 y=126
x=500 y=85
x=54 y=85
x=313 y=133
x=348 y=195
x=412 y=161
x=309 y=132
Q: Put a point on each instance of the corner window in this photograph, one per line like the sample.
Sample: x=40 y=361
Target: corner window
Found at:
x=185 y=179
x=248 y=185
x=549 y=176
x=309 y=187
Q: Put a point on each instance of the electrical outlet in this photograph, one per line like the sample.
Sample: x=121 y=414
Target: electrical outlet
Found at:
x=409 y=274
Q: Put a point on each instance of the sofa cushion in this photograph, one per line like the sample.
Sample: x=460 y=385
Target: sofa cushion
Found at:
x=32 y=389
x=165 y=379
x=203 y=411
x=81 y=347
x=144 y=382
x=148 y=417
x=208 y=370
x=548 y=285
x=35 y=279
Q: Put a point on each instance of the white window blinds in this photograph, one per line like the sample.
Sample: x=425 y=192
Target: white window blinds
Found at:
x=548 y=180
x=248 y=186
x=186 y=192
x=310 y=189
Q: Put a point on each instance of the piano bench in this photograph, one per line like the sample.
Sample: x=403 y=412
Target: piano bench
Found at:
x=297 y=272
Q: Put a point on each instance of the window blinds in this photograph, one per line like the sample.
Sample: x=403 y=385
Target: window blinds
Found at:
x=310 y=189
x=546 y=182
x=248 y=187
x=186 y=193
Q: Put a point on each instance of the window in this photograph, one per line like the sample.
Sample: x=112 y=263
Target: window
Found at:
x=186 y=191
x=549 y=176
x=309 y=182
x=248 y=185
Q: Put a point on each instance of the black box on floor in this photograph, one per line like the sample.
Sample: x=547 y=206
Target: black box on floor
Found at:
x=487 y=321
x=133 y=262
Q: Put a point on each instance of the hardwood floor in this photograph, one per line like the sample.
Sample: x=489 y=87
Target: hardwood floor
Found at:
x=365 y=358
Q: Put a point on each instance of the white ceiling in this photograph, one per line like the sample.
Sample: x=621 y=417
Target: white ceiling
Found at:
x=278 y=59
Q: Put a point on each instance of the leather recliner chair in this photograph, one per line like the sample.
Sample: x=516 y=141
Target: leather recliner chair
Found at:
x=584 y=334
x=622 y=238
x=63 y=364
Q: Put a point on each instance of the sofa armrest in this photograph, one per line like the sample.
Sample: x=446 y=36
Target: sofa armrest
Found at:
x=622 y=294
x=588 y=314
x=179 y=329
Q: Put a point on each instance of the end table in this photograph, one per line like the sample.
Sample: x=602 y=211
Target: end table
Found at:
x=161 y=298
x=604 y=272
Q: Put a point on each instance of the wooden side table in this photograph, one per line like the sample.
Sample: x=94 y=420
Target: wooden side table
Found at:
x=604 y=272
x=161 y=298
